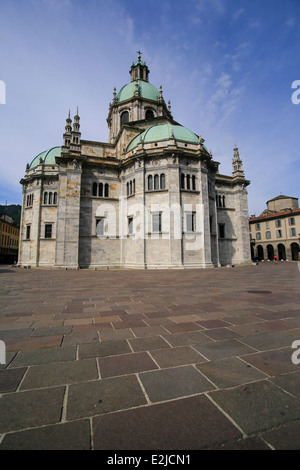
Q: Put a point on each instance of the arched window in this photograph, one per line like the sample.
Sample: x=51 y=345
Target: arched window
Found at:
x=106 y=190
x=95 y=189
x=133 y=186
x=45 y=198
x=124 y=117
x=100 y=189
x=193 y=182
x=149 y=114
x=55 y=198
x=50 y=198
x=127 y=186
x=156 y=182
x=150 y=184
x=223 y=200
x=162 y=181
x=182 y=181
x=188 y=182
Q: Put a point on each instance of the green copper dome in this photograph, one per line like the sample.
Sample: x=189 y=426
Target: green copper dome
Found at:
x=48 y=157
x=146 y=90
x=161 y=132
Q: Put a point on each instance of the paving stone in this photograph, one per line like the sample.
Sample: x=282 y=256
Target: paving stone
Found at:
x=183 y=327
x=10 y=379
x=209 y=324
x=220 y=333
x=241 y=320
x=32 y=343
x=49 y=375
x=30 y=409
x=116 y=335
x=289 y=382
x=229 y=372
x=91 y=328
x=65 y=436
x=104 y=396
x=149 y=331
x=15 y=333
x=106 y=348
x=249 y=329
x=272 y=362
x=56 y=330
x=80 y=338
x=79 y=321
x=125 y=364
x=222 y=349
x=187 y=424
x=249 y=443
x=189 y=338
x=185 y=318
x=148 y=343
x=44 y=356
x=258 y=406
x=107 y=319
x=176 y=356
x=177 y=382
x=285 y=438
x=265 y=341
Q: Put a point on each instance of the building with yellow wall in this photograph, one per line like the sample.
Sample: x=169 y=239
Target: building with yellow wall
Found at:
x=276 y=232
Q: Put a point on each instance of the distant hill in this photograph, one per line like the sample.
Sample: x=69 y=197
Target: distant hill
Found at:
x=13 y=211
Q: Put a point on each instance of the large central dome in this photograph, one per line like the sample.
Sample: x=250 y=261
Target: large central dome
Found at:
x=161 y=132
x=146 y=90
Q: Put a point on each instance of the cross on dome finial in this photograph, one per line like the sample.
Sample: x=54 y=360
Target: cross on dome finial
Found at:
x=139 y=55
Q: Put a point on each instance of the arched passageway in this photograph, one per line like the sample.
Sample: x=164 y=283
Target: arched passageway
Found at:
x=260 y=253
x=295 y=251
x=281 y=252
x=270 y=251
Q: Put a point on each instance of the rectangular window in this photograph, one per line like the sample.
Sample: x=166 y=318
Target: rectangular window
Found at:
x=278 y=223
x=258 y=236
x=48 y=230
x=268 y=235
x=292 y=221
x=267 y=224
x=257 y=226
x=292 y=232
x=130 y=225
x=156 y=222
x=279 y=233
x=190 y=222
x=100 y=227
x=27 y=232
x=221 y=230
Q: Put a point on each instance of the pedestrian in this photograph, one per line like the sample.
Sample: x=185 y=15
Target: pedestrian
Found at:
x=275 y=258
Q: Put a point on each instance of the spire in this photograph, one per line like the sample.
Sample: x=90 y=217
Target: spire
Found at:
x=237 y=164
x=76 y=125
x=67 y=134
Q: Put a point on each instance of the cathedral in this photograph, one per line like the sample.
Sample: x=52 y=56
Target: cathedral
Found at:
x=150 y=197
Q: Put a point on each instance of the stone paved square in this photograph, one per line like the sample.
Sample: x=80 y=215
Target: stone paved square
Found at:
x=91 y=355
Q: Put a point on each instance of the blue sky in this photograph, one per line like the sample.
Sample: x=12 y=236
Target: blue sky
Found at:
x=227 y=66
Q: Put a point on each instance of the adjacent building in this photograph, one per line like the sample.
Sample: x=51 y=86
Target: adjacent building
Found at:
x=9 y=240
x=150 y=197
x=276 y=232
